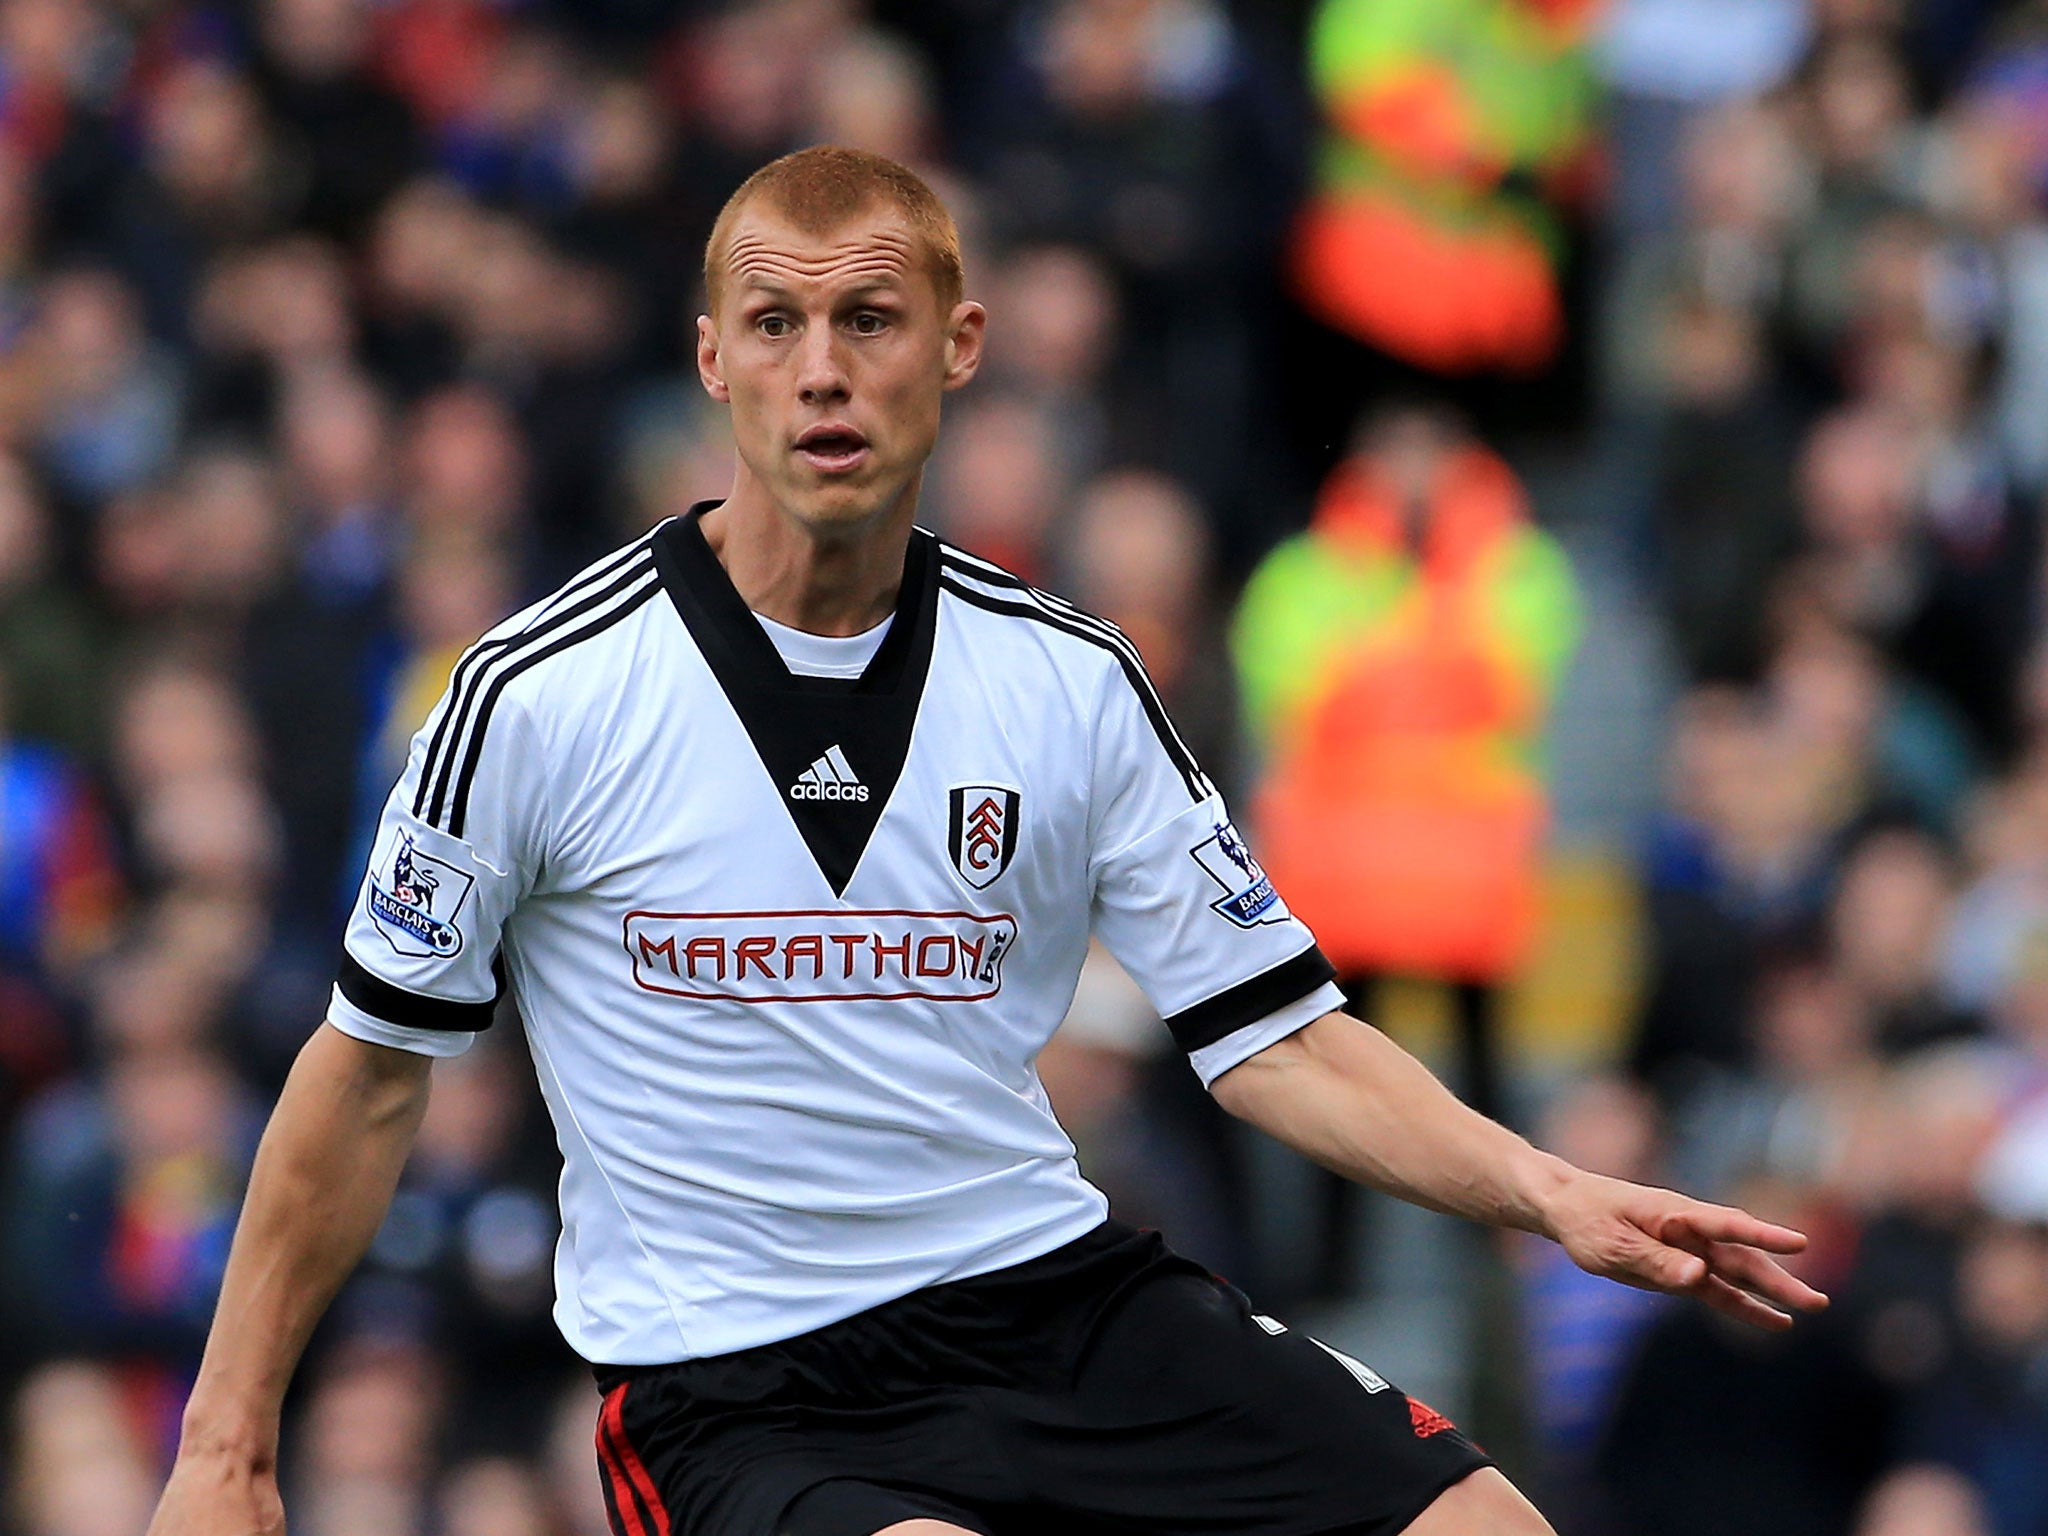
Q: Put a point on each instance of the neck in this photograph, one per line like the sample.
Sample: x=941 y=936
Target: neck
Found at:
x=839 y=581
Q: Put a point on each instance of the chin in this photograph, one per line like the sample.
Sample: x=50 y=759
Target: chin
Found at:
x=839 y=508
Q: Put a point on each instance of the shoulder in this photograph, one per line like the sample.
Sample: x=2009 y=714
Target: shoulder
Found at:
x=511 y=681
x=592 y=600
x=1031 y=618
x=1532 y=566
x=1300 y=565
x=1092 y=653
x=594 y=605
x=1535 y=547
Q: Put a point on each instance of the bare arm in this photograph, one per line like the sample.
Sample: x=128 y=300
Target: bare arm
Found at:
x=323 y=1178
x=1343 y=1094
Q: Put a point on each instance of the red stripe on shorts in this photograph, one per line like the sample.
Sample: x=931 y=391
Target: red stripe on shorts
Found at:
x=615 y=1415
x=608 y=1458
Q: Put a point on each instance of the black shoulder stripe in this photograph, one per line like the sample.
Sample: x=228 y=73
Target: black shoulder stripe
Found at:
x=1250 y=1001
x=1177 y=753
x=976 y=569
x=484 y=651
x=467 y=685
x=408 y=1009
x=590 y=590
x=1107 y=634
x=458 y=810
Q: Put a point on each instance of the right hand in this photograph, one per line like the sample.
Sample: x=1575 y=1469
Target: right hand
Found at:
x=211 y=1494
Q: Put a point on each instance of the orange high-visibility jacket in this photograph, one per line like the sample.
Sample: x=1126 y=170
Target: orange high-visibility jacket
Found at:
x=1399 y=697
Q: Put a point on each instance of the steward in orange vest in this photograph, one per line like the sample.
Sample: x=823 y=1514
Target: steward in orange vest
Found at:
x=1397 y=663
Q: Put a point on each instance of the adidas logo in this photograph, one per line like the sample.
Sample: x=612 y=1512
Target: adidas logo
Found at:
x=831 y=777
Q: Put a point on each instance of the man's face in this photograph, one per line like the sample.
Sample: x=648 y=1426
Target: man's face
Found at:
x=833 y=353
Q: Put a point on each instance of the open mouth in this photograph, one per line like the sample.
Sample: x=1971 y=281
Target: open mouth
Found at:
x=832 y=447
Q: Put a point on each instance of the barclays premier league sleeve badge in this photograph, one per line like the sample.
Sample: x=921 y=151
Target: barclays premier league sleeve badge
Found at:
x=1248 y=896
x=414 y=898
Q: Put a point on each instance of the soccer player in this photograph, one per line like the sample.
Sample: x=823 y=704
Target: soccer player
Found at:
x=787 y=827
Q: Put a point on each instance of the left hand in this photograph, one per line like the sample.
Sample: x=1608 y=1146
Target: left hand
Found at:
x=1660 y=1241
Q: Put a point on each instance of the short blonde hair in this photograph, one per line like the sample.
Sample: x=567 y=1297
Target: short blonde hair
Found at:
x=820 y=188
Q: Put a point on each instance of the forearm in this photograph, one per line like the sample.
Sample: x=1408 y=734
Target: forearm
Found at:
x=322 y=1180
x=1344 y=1095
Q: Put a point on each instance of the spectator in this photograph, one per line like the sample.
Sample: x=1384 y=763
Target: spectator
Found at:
x=210 y=178
x=355 y=138
x=1983 y=184
x=125 y=1198
x=1140 y=557
x=1725 y=523
x=1741 y=184
x=105 y=403
x=1430 y=236
x=466 y=1253
x=1061 y=359
x=1888 y=923
x=49 y=645
x=1581 y=1335
x=373 y=1431
x=1924 y=1500
x=1775 y=1437
x=83 y=1470
x=494 y=1496
x=1137 y=129
x=1855 y=111
x=1000 y=482
x=61 y=889
x=1397 y=663
x=1987 y=1414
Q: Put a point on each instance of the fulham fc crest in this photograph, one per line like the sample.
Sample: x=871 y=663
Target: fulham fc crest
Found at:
x=983 y=833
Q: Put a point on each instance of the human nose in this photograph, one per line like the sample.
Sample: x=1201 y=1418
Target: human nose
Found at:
x=821 y=367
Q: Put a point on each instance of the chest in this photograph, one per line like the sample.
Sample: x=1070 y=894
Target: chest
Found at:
x=819 y=870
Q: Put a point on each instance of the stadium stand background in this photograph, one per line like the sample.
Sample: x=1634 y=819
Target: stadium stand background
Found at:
x=329 y=330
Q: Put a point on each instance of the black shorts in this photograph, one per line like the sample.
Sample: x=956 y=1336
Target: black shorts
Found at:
x=1108 y=1386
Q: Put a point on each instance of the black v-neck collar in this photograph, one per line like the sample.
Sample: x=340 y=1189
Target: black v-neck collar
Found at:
x=833 y=748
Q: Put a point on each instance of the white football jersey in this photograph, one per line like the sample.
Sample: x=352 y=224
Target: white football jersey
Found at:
x=787 y=947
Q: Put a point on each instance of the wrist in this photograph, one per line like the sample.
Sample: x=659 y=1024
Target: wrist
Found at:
x=1542 y=1183
x=227 y=1433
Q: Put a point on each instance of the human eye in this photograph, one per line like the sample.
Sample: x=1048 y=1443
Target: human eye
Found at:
x=869 y=322
x=774 y=325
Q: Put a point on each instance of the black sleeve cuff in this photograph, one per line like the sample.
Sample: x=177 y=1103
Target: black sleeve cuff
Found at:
x=1250 y=1001
x=413 y=1010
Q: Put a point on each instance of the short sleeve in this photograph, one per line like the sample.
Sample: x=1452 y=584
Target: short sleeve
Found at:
x=453 y=855
x=1180 y=900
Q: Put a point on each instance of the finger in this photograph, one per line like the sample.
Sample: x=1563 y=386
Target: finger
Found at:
x=1763 y=1276
x=1651 y=1266
x=1748 y=1267
x=1665 y=1268
x=1725 y=1224
x=1740 y=1305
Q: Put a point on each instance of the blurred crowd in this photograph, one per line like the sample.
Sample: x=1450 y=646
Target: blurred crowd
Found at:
x=1825 y=332
x=332 y=330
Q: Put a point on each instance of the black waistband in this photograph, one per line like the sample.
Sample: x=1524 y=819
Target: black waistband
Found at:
x=980 y=1312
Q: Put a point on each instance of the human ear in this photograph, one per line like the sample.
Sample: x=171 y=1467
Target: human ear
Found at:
x=707 y=360
x=966 y=330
